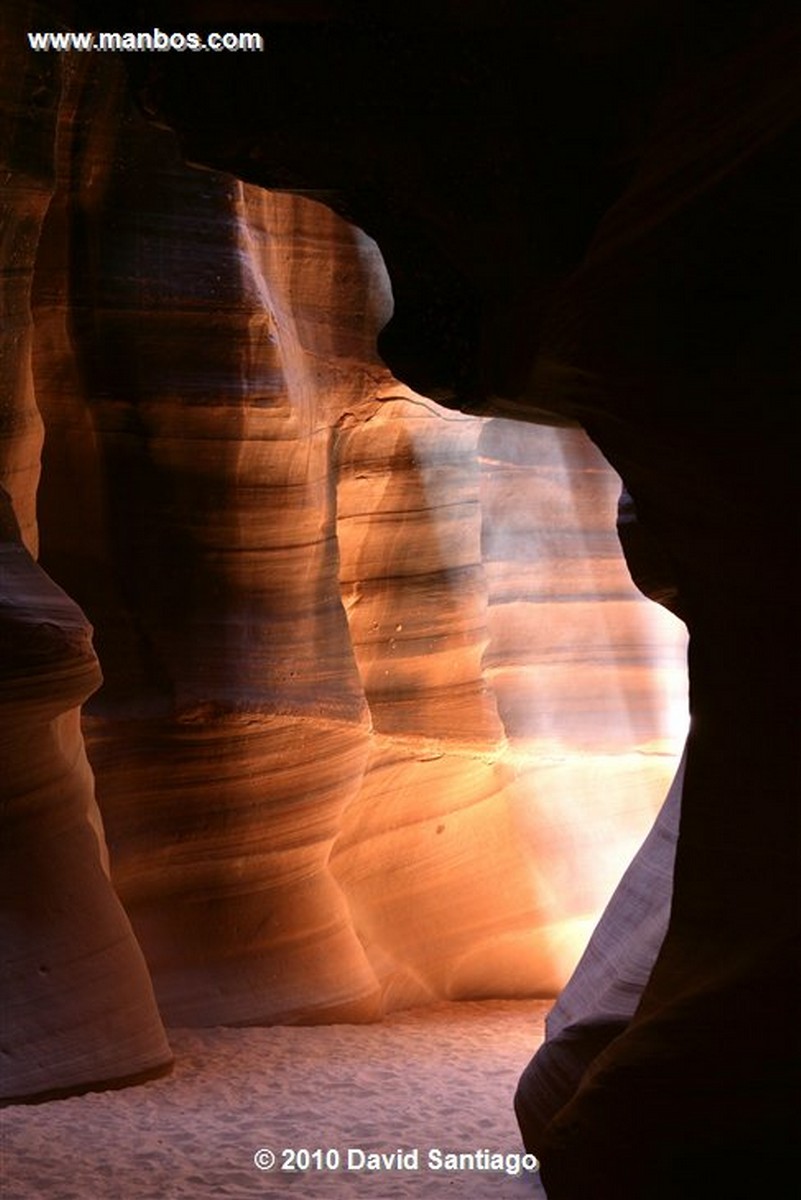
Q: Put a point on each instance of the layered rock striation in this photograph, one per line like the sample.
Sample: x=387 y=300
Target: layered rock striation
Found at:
x=78 y=1008
x=595 y=216
x=383 y=715
x=76 y=1003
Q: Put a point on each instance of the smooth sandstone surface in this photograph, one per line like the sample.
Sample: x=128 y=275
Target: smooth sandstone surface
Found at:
x=76 y=1001
x=383 y=716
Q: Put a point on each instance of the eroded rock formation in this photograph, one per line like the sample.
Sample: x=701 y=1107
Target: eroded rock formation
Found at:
x=363 y=711
x=76 y=1001
x=595 y=215
x=289 y=562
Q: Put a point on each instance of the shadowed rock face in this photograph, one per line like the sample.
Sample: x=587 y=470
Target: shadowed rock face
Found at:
x=78 y=1005
x=76 y=1000
x=598 y=219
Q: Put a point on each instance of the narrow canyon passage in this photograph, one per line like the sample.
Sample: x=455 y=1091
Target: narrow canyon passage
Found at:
x=383 y=716
x=377 y=685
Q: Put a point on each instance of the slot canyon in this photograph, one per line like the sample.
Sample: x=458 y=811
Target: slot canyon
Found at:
x=398 y=588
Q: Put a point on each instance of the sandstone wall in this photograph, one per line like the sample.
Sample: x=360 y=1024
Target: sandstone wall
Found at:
x=76 y=1002
x=383 y=716
x=590 y=214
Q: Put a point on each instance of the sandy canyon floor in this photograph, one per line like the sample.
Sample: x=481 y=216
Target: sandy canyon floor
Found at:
x=421 y=1088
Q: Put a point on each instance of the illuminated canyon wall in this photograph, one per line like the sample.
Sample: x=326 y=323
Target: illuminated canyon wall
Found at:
x=383 y=716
